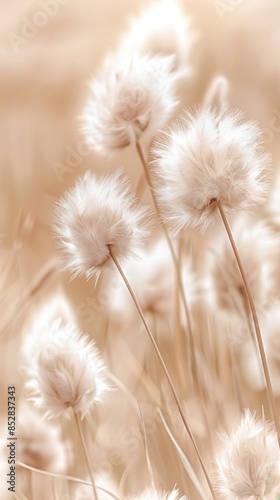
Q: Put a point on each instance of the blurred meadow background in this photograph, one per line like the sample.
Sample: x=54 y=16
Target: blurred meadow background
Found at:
x=47 y=61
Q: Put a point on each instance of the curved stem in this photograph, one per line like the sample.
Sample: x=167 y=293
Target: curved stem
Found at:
x=166 y=372
x=86 y=455
x=186 y=464
x=176 y=265
x=33 y=290
x=149 y=465
x=64 y=476
x=255 y=319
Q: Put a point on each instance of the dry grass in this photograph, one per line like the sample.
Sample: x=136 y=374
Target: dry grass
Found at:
x=136 y=437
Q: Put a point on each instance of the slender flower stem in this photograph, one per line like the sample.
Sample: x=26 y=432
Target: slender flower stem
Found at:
x=176 y=265
x=255 y=319
x=149 y=465
x=164 y=367
x=65 y=477
x=86 y=455
x=35 y=287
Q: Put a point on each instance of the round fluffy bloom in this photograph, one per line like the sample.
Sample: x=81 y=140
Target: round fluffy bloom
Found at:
x=171 y=34
x=249 y=465
x=97 y=213
x=64 y=370
x=39 y=443
x=133 y=95
x=151 y=494
x=207 y=157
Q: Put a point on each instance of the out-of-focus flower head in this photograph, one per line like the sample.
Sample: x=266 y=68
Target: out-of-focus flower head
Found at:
x=133 y=95
x=39 y=443
x=270 y=327
x=152 y=277
x=257 y=249
x=162 y=28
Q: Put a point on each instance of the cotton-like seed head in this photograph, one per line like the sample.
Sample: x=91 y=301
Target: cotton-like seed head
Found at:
x=98 y=213
x=39 y=443
x=151 y=494
x=65 y=371
x=171 y=34
x=133 y=95
x=207 y=157
x=249 y=465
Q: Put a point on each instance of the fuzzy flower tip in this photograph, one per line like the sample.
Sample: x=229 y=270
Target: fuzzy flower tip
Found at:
x=207 y=157
x=151 y=494
x=249 y=465
x=97 y=214
x=133 y=95
x=65 y=371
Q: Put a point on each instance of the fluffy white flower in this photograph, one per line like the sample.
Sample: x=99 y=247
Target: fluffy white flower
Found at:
x=96 y=213
x=132 y=95
x=64 y=370
x=151 y=494
x=171 y=34
x=207 y=157
x=249 y=465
